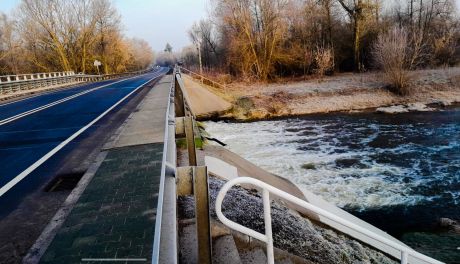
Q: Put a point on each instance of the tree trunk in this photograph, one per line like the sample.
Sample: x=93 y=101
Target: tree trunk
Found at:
x=356 y=46
x=83 y=59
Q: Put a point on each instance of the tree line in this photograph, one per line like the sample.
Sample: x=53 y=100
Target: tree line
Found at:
x=266 y=39
x=65 y=35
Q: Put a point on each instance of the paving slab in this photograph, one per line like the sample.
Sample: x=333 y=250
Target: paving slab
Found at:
x=115 y=216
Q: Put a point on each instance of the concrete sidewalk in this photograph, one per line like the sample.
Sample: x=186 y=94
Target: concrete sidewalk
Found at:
x=203 y=102
x=114 y=218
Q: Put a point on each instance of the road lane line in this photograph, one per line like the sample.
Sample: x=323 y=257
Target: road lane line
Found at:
x=50 y=91
x=38 y=109
x=48 y=155
x=64 y=88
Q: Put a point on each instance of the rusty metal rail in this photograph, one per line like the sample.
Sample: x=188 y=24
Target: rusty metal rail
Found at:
x=203 y=79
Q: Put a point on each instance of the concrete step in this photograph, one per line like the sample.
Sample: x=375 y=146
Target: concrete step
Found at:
x=253 y=251
x=224 y=251
x=253 y=256
x=258 y=256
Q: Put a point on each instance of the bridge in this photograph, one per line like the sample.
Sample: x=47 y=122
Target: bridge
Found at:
x=110 y=141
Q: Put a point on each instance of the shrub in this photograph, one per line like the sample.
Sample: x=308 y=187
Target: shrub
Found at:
x=324 y=58
x=390 y=55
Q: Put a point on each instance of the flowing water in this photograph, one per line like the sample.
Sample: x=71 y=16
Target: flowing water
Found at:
x=398 y=172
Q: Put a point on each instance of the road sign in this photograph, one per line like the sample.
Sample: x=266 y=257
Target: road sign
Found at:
x=97 y=64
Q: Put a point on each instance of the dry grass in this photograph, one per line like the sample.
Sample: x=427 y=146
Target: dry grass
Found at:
x=341 y=92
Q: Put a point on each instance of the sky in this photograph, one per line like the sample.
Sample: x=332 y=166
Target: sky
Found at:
x=157 y=21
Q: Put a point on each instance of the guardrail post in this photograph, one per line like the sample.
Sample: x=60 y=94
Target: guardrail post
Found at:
x=203 y=229
x=194 y=180
x=190 y=137
x=178 y=98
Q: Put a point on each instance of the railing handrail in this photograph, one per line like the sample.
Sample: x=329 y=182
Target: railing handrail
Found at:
x=267 y=237
x=36 y=73
x=203 y=77
x=26 y=77
x=178 y=76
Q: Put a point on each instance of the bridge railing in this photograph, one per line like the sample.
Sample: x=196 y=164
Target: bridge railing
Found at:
x=15 y=83
x=34 y=76
x=203 y=79
x=10 y=84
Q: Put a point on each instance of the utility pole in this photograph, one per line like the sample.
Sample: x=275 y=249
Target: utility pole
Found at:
x=198 y=47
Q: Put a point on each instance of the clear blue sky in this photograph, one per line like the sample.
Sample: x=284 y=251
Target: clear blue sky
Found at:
x=157 y=21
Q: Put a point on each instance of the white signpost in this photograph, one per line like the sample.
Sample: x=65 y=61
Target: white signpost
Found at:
x=97 y=64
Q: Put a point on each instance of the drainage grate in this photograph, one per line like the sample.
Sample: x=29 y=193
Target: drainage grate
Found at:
x=64 y=182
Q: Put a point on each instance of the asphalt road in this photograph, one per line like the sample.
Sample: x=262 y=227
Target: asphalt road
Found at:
x=36 y=130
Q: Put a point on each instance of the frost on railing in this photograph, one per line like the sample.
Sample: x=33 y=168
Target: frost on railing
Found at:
x=10 y=84
x=34 y=76
x=406 y=253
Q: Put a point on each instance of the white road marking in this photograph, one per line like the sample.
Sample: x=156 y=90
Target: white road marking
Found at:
x=48 y=155
x=21 y=115
x=62 y=89
x=115 y=259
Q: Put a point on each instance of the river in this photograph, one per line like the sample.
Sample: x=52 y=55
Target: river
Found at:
x=399 y=172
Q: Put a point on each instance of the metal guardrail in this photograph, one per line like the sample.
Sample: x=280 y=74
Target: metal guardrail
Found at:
x=180 y=123
x=168 y=168
x=406 y=252
x=192 y=179
x=10 y=84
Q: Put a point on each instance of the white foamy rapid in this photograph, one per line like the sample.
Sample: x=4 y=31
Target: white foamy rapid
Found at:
x=328 y=159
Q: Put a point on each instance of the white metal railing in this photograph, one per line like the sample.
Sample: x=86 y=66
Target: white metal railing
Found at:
x=10 y=84
x=268 y=238
x=34 y=76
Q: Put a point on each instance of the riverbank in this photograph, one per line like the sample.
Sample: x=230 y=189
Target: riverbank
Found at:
x=340 y=93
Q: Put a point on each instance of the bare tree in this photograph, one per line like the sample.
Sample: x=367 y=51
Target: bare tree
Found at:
x=142 y=54
x=357 y=9
x=255 y=30
x=66 y=35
